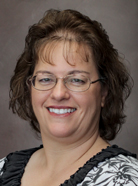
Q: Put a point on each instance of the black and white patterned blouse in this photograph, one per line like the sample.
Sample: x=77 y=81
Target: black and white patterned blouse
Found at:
x=113 y=166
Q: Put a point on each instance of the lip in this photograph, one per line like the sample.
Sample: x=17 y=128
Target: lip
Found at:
x=60 y=107
x=61 y=114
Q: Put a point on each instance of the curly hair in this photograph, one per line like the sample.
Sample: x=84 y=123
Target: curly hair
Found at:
x=72 y=25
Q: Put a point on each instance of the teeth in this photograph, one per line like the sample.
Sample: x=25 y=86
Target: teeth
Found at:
x=61 y=111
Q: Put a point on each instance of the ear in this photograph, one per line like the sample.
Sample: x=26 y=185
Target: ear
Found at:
x=104 y=94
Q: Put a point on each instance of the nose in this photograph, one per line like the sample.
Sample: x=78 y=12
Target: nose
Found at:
x=60 y=92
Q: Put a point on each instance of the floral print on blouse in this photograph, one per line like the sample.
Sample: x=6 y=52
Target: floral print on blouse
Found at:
x=112 y=166
x=118 y=171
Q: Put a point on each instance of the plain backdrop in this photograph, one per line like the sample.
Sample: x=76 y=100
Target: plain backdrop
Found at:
x=118 y=17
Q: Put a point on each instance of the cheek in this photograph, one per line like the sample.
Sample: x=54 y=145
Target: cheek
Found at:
x=93 y=99
x=38 y=98
x=90 y=101
x=35 y=98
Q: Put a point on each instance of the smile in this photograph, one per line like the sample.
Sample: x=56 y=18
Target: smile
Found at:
x=61 y=111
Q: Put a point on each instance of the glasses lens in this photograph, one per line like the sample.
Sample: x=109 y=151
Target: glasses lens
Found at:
x=43 y=81
x=77 y=82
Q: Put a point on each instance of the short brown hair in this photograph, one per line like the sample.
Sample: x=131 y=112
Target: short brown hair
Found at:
x=58 y=24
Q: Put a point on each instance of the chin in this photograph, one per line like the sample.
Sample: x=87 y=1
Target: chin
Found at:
x=61 y=132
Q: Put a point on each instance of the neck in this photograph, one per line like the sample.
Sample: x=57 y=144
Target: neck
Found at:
x=60 y=155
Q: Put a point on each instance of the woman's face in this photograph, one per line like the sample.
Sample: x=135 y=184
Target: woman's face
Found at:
x=79 y=117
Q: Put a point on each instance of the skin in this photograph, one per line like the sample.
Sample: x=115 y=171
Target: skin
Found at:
x=70 y=139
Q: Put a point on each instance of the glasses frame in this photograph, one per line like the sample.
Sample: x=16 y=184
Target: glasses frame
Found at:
x=30 y=78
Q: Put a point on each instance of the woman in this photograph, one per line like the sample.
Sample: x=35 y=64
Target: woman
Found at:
x=70 y=84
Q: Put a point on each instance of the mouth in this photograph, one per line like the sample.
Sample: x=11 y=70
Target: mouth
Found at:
x=61 y=110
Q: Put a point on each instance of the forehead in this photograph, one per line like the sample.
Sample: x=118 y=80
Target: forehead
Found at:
x=61 y=58
x=72 y=51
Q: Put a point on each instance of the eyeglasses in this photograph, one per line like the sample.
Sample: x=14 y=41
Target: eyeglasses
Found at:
x=76 y=82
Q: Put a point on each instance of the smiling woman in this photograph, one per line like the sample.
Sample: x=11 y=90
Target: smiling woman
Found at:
x=71 y=85
x=84 y=100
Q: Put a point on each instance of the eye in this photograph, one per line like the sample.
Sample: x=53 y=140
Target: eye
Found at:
x=45 y=80
x=77 y=81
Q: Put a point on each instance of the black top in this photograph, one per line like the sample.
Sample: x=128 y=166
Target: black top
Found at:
x=15 y=164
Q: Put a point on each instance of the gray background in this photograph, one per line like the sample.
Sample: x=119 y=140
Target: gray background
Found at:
x=119 y=18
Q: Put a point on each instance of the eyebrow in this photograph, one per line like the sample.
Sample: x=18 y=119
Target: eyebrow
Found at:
x=69 y=73
x=78 y=71
x=43 y=71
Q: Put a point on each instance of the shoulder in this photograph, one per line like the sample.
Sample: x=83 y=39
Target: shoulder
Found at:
x=13 y=160
x=2 y=162
x=118 y=170
x=12 y=166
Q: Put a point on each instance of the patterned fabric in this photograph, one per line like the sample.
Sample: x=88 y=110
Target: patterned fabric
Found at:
x=2 y=161
x=117 y=171
x=113 y=166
